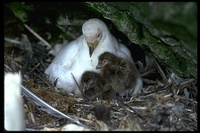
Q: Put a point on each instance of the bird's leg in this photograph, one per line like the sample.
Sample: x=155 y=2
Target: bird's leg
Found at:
x=55 y=82
x=119 y=96
x=115 y=95
x=126 y=93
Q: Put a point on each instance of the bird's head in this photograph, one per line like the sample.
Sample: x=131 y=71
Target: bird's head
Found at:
x=88 y=81
x=87 y=85
x=106 y=59
x=94 y=32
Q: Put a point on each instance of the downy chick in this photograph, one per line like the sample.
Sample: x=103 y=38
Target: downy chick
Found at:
x=120 y=73
x=93 y=86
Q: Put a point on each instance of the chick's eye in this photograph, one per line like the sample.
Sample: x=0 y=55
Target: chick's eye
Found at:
x=90 y=81
x=104 y=61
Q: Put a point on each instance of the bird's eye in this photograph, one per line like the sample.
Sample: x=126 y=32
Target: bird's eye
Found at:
x=104 y=61
x=90 y=81
x=98 y=35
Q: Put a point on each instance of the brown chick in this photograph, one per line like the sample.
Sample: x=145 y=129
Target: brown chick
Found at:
x=120 y=73
x=93 y=86
x=102 y=112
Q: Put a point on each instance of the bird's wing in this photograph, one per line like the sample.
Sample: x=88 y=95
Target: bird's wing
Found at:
x=63 y=60
x=125 y=52
x=67 y=52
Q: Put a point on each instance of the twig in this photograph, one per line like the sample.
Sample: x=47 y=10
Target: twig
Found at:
x=42 y=79
x=146 y=73
x=160 y=71
x=164 y=88
x=8 y=67
x=186 y=82
x=84 y=105
x=168 y=95
x=13 y=61
x=11 y=40
x=37 y=65
x=39 y=37
x=36 y=55
x=139 y=108
x=147 y=81
x=133 y=110
x=75 y=81
x=85 y=120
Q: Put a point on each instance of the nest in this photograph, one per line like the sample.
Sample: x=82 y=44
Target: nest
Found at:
x=167 y=102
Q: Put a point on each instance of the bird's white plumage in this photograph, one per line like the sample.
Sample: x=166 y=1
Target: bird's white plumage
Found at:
x=74 y=57
x=13 y=103
x=70 y=59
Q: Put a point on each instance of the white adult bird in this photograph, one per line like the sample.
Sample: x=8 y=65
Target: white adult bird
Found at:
x=82 y=54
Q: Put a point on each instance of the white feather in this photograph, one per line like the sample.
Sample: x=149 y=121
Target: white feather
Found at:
x=13 y=103
x=46 y=107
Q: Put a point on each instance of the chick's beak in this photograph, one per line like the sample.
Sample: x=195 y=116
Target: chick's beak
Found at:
x=99 y=66
x=84 y=87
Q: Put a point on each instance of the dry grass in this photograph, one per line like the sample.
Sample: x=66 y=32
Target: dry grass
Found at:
x=163 y=105
x=166 y=102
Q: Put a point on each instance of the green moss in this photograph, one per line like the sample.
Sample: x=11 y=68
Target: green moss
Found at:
x=165 y=54
x=20 y=9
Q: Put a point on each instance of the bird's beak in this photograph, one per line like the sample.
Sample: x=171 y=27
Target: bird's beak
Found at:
x=84 y=87
x=92 y=45
x=99 y=66
x=91 y=49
